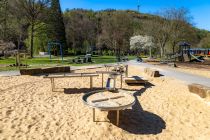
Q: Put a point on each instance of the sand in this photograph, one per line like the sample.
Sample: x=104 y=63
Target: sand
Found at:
x=191 y=68
x=195 y=71
x=164 y=110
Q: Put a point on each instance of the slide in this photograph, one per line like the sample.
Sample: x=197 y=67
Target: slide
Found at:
x=199 y=59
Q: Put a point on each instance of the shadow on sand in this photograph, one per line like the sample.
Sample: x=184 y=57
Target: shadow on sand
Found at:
x=79 y=90
x=138 y=121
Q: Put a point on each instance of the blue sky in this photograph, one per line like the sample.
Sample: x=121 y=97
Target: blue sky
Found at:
x=199 y=9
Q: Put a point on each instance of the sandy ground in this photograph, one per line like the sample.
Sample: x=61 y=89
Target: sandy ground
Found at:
x=192 y=68
x=164 y=110
x=196 y=71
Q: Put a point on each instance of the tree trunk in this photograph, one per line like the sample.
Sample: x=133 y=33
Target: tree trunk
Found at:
x=5 y=21
x=150 y=52
x=32 y=39
x=173 y=46
x=161 y=52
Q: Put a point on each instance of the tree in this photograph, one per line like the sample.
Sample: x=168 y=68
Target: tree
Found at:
x=205 y=42
x=179 y=24
x=116 y=30
x=3 y=19
x=81 y=26
x=56 y=23
x=159 y=29
x=141 y=43
x=32 y=11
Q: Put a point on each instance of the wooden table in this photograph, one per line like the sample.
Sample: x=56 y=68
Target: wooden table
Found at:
x=117 y=116
x=71 y=75
x=106 y=99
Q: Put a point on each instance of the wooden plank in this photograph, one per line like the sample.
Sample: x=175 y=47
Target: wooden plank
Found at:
x=71 y=76
x=102 y=80
x=94 y=115
x=106 y=72
x=91 y=82
x=135 y=80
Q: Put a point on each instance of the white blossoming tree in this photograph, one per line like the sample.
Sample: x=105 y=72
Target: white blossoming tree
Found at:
x=141 y=43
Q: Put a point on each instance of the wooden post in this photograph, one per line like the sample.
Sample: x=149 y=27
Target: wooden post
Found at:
x=118 y=112
x=126 y=71
x=52 y=83
x=102 y=80
x=121 y=80
x=114 y=86
x=91 y=82
x=93 y=114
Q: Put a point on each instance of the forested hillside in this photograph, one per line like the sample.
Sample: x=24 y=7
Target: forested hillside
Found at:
x=37 y=22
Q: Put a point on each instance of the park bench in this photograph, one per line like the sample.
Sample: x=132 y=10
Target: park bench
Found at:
x=70 y=75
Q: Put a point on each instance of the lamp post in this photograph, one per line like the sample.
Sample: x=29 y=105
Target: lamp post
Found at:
x=138 y=6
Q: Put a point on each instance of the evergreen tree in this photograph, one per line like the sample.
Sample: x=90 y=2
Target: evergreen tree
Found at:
x=56 y=24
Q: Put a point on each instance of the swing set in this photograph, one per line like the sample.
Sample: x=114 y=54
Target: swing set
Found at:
x=54 y=46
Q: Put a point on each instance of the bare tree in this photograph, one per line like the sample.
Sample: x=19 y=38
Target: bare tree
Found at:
x=159 y=29
x=179 y=20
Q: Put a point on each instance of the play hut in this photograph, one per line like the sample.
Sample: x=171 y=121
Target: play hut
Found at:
x=184 y=50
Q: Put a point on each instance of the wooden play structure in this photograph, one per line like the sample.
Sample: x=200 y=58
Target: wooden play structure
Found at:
x=52 y=77
x=187 y=54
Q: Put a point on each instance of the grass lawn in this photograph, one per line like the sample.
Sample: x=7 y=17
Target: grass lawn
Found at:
x=46 y=62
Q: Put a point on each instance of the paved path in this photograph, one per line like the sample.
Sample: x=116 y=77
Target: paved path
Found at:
x=17 y=72
x=10 y=73
x=186 y=77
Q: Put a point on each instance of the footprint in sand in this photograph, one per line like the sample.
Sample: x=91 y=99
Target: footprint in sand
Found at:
x=8 y=112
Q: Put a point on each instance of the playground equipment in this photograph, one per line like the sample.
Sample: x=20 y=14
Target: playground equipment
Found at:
x=111 y=81
x=18 y=55
x=200 y=52
x=53 y=45
x=108 y=101
x=81 y=60
x=112 y=78
x=186 y=54
x=118 y=70
x=52 y=77
x=199 y=59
